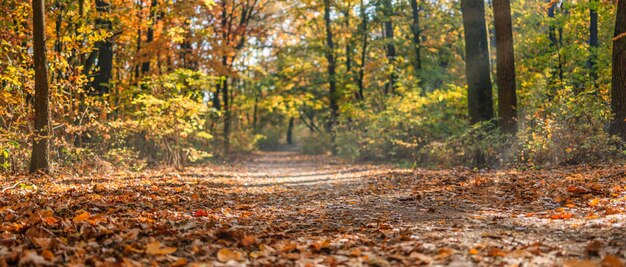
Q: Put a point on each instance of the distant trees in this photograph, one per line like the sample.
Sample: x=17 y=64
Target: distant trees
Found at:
x=479 y=96
x=39 y=156
x=505 y=64
x=618 y=90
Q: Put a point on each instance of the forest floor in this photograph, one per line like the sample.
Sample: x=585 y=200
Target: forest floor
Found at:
x=287 y=209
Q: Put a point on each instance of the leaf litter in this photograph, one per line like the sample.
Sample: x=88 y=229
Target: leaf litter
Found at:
x=286 y=209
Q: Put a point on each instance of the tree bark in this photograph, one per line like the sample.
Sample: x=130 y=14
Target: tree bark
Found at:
x=618 y=90
x=415 y=28
x=39 y=156
x=330 y=57
x=593 y=40
x=364 y=34
x=105 y=51
x=479 y=95
x=505 y=63
x=290 y=131
x=332 y=94
x=391 y=48
x=145 y=66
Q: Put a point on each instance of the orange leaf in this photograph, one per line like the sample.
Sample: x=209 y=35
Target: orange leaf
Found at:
x=155 y=248
x=473 y=251
x=81 y=217
x=226 y=255
x=612 y=261
x=248 y=241
x=611 y=211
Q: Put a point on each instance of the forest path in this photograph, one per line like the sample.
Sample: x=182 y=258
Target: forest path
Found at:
x=387 y=214
x=288 y=209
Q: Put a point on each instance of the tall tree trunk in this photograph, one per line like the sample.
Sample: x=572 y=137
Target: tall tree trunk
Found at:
x=415 y=28
x=226 y=106
x=105 y=50
x=290 y=131
x=505 y=63
x=330 y=56
x=348 y=41
x=479 y=96
x=39 y=156
x=593 y=40
x=145 y=66
x=364 y=36
x=391 y=48
x=618 y=90
x=555 y=44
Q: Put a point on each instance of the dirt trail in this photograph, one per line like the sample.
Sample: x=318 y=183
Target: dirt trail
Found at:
x=288 y=209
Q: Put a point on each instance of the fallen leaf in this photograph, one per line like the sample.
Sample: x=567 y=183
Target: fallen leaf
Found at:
x=248 y=241
x=155 y=248
x=580 y=263
x=611 y=260
x=81 y=217
x=225 y=255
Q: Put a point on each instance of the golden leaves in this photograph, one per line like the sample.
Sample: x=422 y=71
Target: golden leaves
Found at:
x=81 y=217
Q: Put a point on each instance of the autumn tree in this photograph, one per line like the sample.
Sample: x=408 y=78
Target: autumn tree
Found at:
x=507 y=97
x=39 y=156
x=618 y=90
x=479 y=96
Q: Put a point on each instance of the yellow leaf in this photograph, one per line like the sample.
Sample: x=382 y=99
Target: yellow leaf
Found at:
x=81 y=217
x=225 y=255
x=155 y=248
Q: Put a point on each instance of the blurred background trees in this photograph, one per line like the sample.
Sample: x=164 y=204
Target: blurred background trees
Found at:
x=151 y=81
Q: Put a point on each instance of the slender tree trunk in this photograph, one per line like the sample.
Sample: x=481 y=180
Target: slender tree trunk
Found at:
x=105 y=51
x=618 y=90
x=330 y=56
x=145 y=66
x=507 y=98
x=290 y=131
x=415 y=28
x=348 y=42
x=593 y=40
x=39 y=156
x=555 y=44
x=391 y=48
x=226 y=106
x=479 y=96
x=364 y=36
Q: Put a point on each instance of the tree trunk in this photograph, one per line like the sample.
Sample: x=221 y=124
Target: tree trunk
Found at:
x=593 y=40
x=145 y=66
x=330 y=56
x=479 y=96
x=364 y=34
x=554 y=42
x=290 y=131
x=105 y=51
x=391 y=48
x=226 y=106
x=507 y=98
x=415 y=28
x=39 y=156
x=618 y=90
